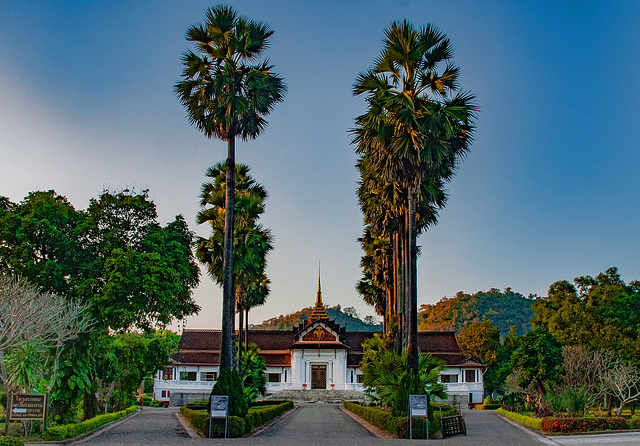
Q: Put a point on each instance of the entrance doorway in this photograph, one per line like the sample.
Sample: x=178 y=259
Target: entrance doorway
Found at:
x=318 y=376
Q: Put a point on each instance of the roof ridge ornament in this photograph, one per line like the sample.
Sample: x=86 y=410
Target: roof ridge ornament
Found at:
x=319 y=312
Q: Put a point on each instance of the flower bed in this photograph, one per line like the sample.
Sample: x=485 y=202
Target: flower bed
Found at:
x=65 y=431
x=568 y=425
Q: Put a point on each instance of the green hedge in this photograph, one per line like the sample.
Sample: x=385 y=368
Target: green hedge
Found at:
x=535 y=423
x=198 y=405
x=257 y=416
x=11 y=441
x=396 y=426
x=65 y=431
x=567 y=425
x=488 y=406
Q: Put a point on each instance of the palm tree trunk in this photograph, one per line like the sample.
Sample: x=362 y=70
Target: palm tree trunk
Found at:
x=240 y=336
x=396 y=292
x=246 y=332
x=228 y=289
x=405 y=288
x=412 y=295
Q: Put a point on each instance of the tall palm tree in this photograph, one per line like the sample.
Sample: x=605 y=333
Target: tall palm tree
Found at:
x=417 y=128
x=251 y=241
x=227 y=95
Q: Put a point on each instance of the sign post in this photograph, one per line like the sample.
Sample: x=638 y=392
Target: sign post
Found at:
x=418 y=408
x=27 y=406
x=219 y=409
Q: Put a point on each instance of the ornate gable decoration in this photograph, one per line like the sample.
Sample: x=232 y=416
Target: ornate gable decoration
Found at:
x=319 y=334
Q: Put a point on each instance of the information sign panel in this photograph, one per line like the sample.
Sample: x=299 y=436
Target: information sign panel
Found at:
x=219 y=406
x=27 y=406
x=219 y=409
x=418 y=406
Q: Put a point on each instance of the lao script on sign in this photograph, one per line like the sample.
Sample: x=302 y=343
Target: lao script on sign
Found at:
x=418 y=405
x=219 y=406
x=27 y=406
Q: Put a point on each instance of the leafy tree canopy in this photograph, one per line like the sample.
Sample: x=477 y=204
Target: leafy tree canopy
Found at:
x=481 y=340
x=601 y=313
x=114 y=256
x=502 y=309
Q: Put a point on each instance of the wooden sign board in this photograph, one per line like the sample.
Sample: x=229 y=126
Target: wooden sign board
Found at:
x=27 y=406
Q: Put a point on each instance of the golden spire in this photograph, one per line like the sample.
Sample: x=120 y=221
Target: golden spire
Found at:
x=318 y=311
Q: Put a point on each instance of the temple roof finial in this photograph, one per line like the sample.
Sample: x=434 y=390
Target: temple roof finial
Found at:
x=318 y=311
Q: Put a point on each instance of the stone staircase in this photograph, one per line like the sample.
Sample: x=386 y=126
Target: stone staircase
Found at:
x=318 y=396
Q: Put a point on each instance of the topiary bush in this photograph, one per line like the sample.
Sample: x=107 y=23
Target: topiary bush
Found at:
x=229 y=383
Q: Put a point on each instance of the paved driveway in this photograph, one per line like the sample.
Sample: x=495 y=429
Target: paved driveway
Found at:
x=326 y=425
x=148 y=427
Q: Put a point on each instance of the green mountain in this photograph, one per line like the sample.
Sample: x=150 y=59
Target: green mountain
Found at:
x=347 y=318
x=503 y=309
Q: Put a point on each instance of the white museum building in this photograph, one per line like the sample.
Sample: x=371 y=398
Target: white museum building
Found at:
x=318 y=354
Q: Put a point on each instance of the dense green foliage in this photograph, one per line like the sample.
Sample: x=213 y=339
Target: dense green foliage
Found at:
x=253 y=367
x=62 y=432
x=502 y=309
x=229 y=383
x=114 y=257
x=386 y=375
x=539 y=360
x=11 y=441
x=601 y=313
x=347 y=318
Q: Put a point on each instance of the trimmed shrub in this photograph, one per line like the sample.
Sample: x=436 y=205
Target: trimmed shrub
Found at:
x=11 y=441
x=535 y=423
x=488 y=401
x=396 y=426
x=229 y=383
x=57 y=433
x=238 y=426
x=567 y=425
x=198 y=405
x=488 y=406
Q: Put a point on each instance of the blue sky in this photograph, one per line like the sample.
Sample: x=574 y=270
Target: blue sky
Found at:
x=549 y=191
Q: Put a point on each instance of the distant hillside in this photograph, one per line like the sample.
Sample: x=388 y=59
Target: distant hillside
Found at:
x=503 y=309
x=347 y=318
